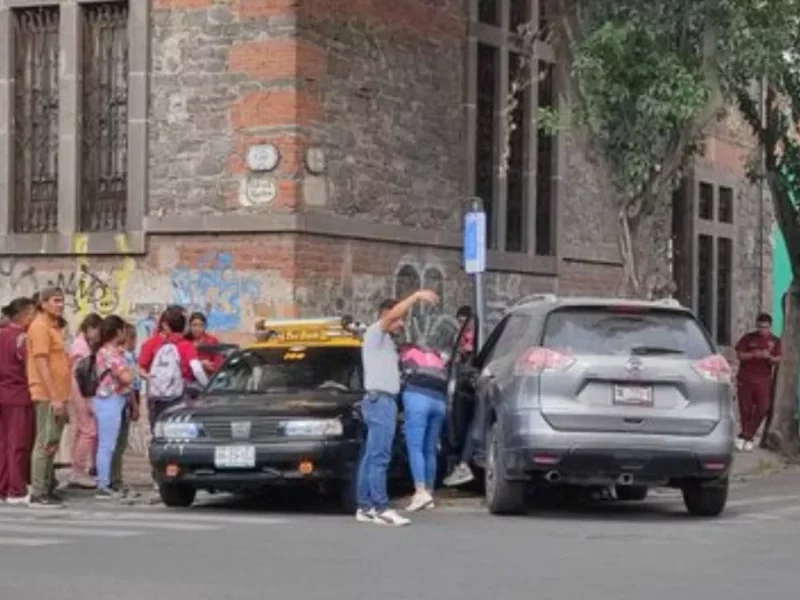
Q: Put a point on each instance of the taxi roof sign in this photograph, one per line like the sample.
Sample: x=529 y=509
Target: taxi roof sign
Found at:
x=321 y=331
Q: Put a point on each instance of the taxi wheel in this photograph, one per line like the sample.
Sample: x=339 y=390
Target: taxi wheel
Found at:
x=176 y=495
x=345 y=495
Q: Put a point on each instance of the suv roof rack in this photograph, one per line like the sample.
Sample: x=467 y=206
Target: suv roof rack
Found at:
x=535 y=298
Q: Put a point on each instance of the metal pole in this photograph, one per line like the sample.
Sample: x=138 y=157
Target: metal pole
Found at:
x=476 y=205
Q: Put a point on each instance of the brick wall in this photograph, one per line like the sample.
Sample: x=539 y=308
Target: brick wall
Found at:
x=392 y=96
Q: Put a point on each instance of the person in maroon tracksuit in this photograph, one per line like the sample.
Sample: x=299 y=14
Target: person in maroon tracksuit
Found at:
x=759 y=352
x=16 y=409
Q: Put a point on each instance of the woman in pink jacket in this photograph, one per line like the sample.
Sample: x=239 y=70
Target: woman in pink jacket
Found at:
x=83 y=447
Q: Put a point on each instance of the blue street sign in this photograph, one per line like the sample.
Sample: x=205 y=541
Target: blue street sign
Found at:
x=475 y=242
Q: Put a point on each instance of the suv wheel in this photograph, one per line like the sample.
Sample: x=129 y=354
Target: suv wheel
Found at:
x=176 y=495
x=706 y=499
x=631 y=493
x=503 y=497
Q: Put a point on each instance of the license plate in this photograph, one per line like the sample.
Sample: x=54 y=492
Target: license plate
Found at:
x=633 y=395
x=235 y=457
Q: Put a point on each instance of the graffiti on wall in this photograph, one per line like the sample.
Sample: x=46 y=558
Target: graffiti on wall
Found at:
x=425 y=323
x=217 y=289
x=86 y=289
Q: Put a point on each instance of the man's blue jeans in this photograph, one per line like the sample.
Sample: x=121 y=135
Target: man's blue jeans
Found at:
x=380 y=415
x=424 y=417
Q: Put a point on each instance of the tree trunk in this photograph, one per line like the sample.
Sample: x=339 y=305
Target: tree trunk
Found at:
x=645 y=242
x=782 y=435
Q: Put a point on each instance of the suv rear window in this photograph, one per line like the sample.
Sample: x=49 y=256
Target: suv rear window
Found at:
x=620 y=331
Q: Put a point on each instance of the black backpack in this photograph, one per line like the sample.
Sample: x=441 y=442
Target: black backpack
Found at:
x=86 y=375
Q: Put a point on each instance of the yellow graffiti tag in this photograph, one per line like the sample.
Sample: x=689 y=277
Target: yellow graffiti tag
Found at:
x=104 y=299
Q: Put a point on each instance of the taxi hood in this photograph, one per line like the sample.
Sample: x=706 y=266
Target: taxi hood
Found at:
x=297 y=404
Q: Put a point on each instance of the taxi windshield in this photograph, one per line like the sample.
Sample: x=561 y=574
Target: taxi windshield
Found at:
x=281 y=370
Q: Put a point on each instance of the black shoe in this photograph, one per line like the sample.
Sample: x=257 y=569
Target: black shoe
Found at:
x=45 y=502
x=105 y=494
x=56 y=497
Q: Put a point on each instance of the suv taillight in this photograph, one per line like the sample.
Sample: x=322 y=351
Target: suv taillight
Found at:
x=535 y=361
x=714 y=368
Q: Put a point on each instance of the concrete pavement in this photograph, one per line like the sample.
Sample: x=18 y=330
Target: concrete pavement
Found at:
x=242 y=550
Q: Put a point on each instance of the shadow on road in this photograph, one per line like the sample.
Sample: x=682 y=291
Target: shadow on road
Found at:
x=551 y=505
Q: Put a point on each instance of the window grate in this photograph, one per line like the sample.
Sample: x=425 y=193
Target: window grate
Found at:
x=36 y=122
x=104 y=120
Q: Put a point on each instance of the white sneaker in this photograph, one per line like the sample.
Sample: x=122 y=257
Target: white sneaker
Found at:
x=748 y=446
x=19 y=500
x=740 y=444
x=461 y=474
x=365 y=516
x=419 y=501
x=391 y=518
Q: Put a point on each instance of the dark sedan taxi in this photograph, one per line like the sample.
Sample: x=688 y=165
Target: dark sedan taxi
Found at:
x=282 y=411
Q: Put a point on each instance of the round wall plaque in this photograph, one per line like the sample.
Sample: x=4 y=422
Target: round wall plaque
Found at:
x=264 y=157
x=315 y=160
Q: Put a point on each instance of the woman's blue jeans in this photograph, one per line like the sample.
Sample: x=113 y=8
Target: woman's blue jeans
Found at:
x=425 y=412
x=108 y=413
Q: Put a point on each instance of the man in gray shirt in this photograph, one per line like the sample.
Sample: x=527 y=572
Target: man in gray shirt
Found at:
x=379 y=408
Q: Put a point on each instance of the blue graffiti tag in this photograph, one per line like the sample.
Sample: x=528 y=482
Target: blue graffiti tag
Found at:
x=216 y=289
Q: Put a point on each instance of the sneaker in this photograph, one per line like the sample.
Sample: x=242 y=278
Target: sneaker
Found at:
x=430 y=505
x=419 y=501
x=120 y=489
x=105 y=494
x=18 y=500
x=45 y=502
x=391 y=518
x=748 y=446
x=461 y=474
x=740 y=444
x=365 y=516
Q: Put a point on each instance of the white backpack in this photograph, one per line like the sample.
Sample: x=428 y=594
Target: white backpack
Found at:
x=166 y=378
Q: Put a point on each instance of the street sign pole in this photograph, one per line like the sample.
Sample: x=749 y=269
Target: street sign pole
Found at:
x=475 y=261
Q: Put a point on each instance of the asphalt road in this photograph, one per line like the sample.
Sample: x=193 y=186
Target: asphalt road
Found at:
x=230 y=549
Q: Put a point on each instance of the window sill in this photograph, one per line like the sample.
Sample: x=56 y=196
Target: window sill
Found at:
x=73 y=244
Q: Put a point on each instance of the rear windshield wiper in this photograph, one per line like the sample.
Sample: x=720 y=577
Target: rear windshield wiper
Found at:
x=648 y=350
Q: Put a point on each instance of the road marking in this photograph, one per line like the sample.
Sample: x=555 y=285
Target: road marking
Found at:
x=29 y=542
x=126 y=514
x=53 y=529
x=87 y=522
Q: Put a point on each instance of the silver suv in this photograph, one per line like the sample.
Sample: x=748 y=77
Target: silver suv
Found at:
x=597 y=392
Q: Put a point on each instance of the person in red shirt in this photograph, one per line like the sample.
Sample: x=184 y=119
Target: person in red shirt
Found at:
x=16 y=408
x=173 y=323
x=153 y=343
x=199 y=336
x=759 y=352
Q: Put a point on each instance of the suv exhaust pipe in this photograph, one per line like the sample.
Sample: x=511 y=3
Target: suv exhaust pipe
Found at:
x=625 y=479
x=552 y=477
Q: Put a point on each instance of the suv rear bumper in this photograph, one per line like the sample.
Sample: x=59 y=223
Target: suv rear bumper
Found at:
x=586 y=457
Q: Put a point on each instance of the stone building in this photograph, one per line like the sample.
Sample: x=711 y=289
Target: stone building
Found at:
x=280 y=157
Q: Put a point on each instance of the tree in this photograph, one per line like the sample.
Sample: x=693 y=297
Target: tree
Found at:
x=647 y=78
x=645 y=85
x=766 y=54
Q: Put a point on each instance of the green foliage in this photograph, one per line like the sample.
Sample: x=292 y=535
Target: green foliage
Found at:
x=639 y=67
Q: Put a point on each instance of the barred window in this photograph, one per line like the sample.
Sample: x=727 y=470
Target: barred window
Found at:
x=104 y=124
x=35 y=119
x=513 y=157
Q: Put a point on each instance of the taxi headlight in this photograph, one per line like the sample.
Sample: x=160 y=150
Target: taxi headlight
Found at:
x=313 y=427
x=175 y=431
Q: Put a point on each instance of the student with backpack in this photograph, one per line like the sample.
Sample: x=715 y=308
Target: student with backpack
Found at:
x=83 y=443
x=174 y=368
